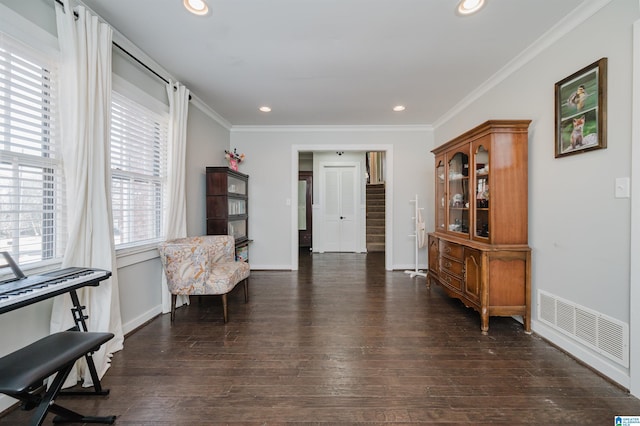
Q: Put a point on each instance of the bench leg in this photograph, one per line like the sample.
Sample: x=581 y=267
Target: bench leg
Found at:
x=47 y=399
x=97 y=386
x=64 y=415
x=246 y=290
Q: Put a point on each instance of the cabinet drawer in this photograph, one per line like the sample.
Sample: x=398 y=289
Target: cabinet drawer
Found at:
x=452 y=250
x=451 y=281
x=451 y=266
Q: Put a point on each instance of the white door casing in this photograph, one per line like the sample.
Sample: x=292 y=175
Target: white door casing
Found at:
x=296 y=149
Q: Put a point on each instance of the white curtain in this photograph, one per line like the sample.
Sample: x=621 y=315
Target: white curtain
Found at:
x=85 y=106
x=176 y=212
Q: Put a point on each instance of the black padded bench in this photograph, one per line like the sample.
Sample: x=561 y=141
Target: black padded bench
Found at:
x=24 y=370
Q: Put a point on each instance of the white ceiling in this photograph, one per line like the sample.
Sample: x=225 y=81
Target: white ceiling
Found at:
x=333 y=62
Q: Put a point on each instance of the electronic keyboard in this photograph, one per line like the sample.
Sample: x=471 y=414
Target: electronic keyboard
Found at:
x=24 y=291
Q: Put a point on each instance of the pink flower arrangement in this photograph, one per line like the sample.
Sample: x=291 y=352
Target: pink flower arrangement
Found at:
x=234 y=158
x=233 y=155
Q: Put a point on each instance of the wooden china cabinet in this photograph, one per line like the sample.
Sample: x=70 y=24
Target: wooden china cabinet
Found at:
x=479 y=250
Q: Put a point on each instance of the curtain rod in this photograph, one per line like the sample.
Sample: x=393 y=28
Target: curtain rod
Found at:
x=126 y=52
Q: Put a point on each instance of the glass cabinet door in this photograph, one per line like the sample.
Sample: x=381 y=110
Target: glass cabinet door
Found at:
x=458 y=193
x=440 y=196
x=238 y=229
x=237 y=206
x=481 y=165
x=237 y=186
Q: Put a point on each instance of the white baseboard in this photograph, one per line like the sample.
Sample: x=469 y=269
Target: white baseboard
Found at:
x=141 y=319
x=402 y=267
x=582 y=353
x=397 y=267
x=256 y=267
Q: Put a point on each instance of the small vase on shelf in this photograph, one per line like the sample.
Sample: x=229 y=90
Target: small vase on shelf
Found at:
x=234 y=158
x=233 y=164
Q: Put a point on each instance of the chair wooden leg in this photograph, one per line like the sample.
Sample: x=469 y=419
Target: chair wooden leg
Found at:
x=174 y=297
x=246 y=290
x=224 y=307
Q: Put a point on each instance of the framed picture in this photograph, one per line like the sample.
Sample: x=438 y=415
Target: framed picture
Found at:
x=581 y=110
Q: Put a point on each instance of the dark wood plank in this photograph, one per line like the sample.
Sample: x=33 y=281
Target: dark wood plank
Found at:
x=343 y=341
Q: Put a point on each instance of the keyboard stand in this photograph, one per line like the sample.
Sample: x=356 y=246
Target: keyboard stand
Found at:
x=79 y=319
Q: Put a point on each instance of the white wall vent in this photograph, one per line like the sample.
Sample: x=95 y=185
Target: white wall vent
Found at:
x=607 y=336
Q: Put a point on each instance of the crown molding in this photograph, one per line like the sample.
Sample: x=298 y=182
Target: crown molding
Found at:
x=563 y=27
x=197 y=102
x=328 y=128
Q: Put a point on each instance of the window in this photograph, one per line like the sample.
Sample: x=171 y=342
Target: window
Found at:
x=138 y=146
x=32 y=222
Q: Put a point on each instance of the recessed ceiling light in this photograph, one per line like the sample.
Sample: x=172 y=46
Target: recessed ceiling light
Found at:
x=265 y=109
x=197 y=7
x=399 y=108
x=467 y=7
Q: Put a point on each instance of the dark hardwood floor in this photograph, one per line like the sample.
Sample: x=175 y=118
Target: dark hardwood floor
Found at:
x=342 y=341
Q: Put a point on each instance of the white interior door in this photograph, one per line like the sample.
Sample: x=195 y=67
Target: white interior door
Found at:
x=340 y=191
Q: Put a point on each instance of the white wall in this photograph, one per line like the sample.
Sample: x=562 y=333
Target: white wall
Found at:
x=206 y=142
x=306 y=162
x=269 y=164
x=578 y=231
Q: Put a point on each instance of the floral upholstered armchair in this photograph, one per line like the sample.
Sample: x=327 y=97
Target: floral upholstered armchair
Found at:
x=203 y=266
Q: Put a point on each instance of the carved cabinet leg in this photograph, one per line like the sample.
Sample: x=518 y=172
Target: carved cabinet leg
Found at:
x=484 y=319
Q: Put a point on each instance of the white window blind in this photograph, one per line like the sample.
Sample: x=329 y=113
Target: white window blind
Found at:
x=32 y=223
x=138 y=147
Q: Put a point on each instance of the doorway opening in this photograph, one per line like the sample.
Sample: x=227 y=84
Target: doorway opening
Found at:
x=305 y=208
x=375 y=202
x=302 y=154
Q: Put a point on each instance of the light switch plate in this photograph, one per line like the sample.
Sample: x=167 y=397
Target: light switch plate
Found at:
x=623 y=187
